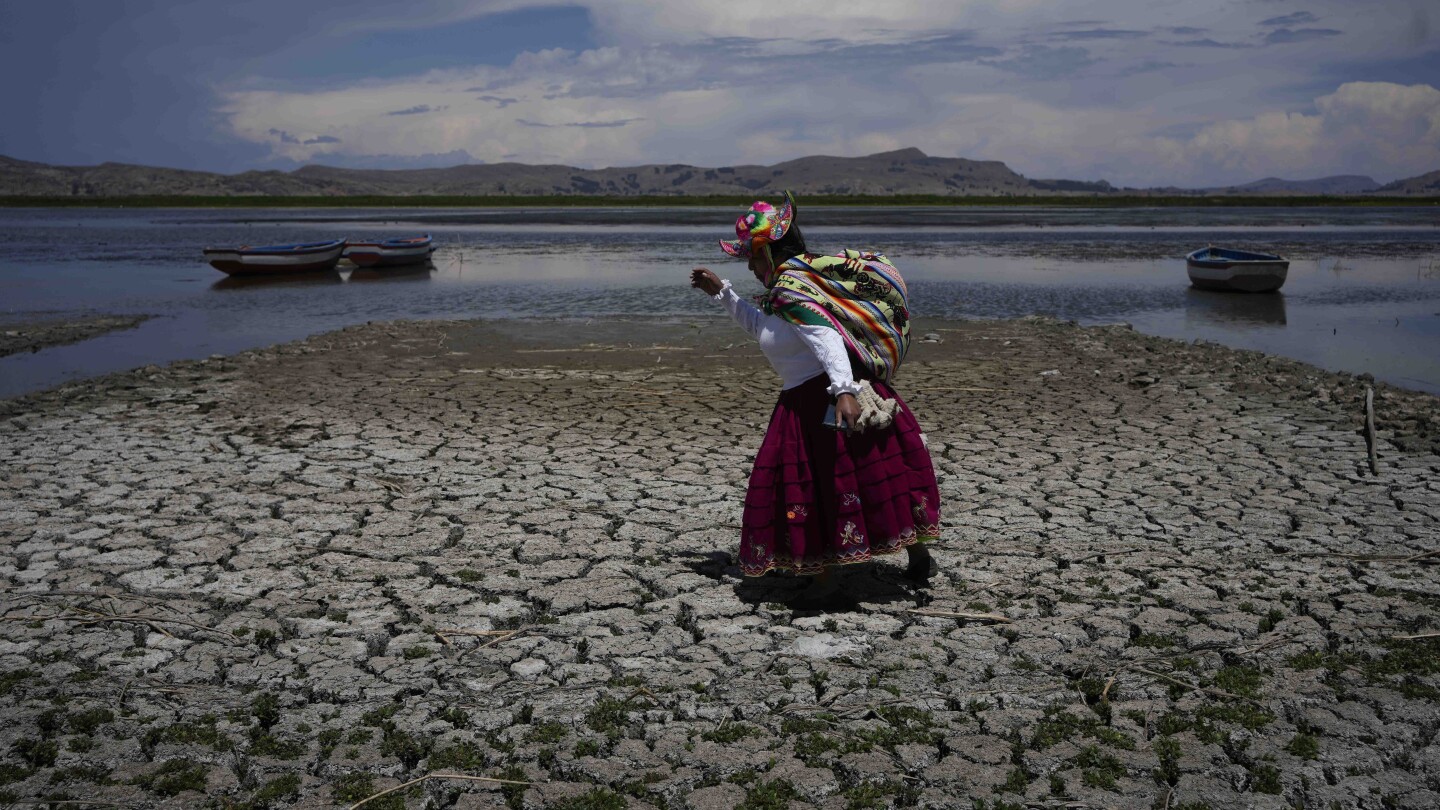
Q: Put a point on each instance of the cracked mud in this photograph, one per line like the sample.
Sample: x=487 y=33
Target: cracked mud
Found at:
x=304 y=575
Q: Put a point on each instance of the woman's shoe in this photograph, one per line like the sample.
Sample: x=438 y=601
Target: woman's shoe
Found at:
x=821 y=593
x=922 y=566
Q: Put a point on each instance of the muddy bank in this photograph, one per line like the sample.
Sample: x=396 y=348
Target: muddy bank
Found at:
x=31 y=334
x=1168 y=578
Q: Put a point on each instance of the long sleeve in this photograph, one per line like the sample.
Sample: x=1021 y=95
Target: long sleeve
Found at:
x=829 y=348
x=745 y=313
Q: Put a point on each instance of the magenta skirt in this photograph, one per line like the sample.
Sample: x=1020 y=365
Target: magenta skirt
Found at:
x=818 y=497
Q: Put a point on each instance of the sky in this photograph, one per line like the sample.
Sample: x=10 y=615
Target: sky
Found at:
x=1142 y=93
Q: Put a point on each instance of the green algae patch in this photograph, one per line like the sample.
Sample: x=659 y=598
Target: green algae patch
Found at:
x=1056 y=726
x=774 y=794
x=464 y=756
x=594 y=799
x=174 y=777
x=1099 y=769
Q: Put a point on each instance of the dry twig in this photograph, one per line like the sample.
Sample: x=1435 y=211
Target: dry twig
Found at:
x=1105 y=693
x=1422 y=557
x=444 y=635
x=928 y=390
x=955 y=614
x=1117 y=552
x=1284 y=638
x=1192 y=687
x=429 y=776
x=62 y=802
x=498 y=639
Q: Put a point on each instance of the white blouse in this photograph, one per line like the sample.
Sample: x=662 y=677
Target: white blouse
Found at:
x=798 y=352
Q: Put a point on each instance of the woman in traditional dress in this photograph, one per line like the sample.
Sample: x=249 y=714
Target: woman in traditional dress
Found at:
x=836 y=329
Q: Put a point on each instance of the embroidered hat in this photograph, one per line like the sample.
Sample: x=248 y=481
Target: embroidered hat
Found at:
x=761 y=225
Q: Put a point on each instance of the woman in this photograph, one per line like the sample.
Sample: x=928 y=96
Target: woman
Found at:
x=821 y=497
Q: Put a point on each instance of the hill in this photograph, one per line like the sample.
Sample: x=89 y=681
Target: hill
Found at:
x=900 y=172
x=1426 y=185
x=1338 y=184
x=905 y=171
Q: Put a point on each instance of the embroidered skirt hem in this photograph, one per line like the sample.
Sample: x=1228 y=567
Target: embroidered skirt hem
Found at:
x=820 y=498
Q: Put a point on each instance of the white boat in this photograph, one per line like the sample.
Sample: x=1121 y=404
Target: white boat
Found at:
x=311 y=257
x=1215 y=268
x=391 y=252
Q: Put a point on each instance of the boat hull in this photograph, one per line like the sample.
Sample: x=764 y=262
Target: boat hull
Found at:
x=280 y=260
x=1236 y=271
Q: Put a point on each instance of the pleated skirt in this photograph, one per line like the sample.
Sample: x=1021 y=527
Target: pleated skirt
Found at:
x=819 y=497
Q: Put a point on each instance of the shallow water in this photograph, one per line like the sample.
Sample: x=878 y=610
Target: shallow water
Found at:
x=1363 y=293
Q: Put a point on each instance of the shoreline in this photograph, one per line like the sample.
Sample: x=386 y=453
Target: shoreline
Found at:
x=1078 y=201
x=1413 y=423
x=31 y=333
x=506 y=549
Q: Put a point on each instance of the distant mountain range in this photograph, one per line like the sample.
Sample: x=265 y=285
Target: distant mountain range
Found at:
x=1339 y=184
x=904 y=171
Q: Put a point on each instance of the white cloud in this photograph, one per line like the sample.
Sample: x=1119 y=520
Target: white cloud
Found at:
x=1377 y=128
x=711 y=84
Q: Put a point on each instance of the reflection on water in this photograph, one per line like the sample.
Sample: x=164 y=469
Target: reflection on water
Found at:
x=406 y=272
x=319 y=279
x=1214 y=308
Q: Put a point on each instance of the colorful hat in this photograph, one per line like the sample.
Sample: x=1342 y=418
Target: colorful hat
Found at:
x=761 y=225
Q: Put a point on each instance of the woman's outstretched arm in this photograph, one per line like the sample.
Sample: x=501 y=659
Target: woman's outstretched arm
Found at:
x=741 y=310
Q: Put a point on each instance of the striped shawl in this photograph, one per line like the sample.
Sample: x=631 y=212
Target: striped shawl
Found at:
x=859 y=294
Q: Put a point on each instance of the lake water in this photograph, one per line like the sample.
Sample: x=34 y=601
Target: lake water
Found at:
x=1363 y=293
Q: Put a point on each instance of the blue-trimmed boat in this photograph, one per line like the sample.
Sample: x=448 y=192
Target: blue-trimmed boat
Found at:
x=310 y=257
x=391 y=252
x=1213 y=268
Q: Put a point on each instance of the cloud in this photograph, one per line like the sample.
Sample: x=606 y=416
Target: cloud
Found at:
x=683 y=21
x=708 y=87
x=1099 y=33
x=1417 y=33
x=1042 y=62
x=1282 y=36
x=581 y=124
x=1298 y=18
x=1148 y=66
x=1208 y=43
x=418 y=109
x=1374 y=128
x=431 y=160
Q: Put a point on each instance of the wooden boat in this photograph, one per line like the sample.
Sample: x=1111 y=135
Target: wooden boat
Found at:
x=1215 y=268
x=391 y=252
x=311 y=257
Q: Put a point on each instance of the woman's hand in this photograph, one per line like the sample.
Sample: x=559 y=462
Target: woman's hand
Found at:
x=847 y=411
x=705 y=281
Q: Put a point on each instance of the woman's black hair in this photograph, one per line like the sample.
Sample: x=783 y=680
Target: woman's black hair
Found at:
x=787 y=247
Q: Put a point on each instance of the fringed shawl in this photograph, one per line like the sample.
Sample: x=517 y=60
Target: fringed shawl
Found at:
x=859 y=294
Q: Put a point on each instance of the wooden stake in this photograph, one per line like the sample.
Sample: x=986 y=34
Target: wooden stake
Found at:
x=1370 y=427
